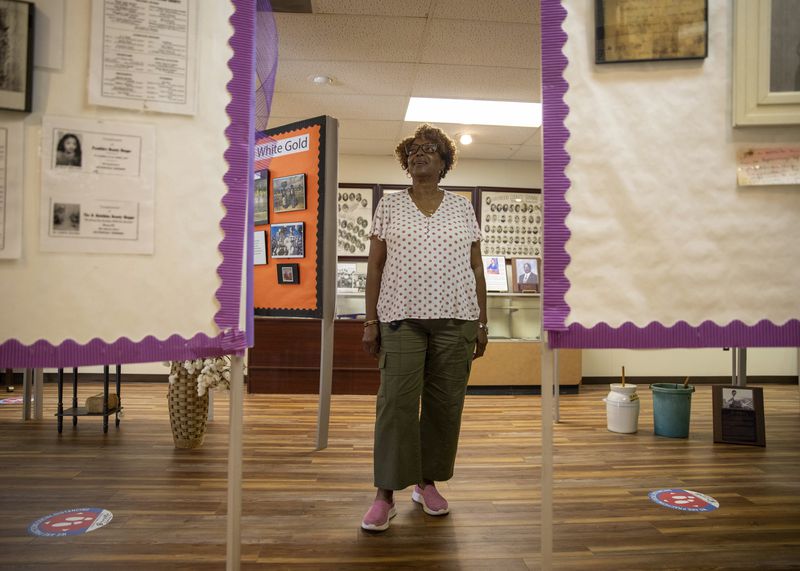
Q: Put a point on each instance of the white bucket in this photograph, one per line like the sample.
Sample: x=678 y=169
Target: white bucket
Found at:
x=622 y=408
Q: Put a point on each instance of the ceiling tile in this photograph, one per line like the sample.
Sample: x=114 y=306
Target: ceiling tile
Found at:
x=329 y=37
x=528 y=153
x=373 y=107
x=367 y=147
x=525 y=11
x=413 y=8
x=481 y=43
x=373 y=130
x=477 y=82
x=482 y=134
x=481 y=151
x=349 y=77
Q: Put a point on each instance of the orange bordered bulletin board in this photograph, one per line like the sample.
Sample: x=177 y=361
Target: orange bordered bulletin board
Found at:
x=292 y=156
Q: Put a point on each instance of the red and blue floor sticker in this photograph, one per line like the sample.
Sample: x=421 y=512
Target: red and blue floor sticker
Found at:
x=684 y=500
x=11 y=400
x=70 y=522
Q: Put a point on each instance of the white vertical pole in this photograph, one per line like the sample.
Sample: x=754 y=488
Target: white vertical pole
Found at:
x=234 y=535
x=556 y=389
x=548 y=384
x=329 y=196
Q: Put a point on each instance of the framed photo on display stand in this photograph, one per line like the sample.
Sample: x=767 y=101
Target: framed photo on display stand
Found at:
x=738 y=415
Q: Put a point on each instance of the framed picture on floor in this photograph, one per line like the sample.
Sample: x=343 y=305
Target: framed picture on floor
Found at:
x=649 y=30
x=288 y=273
x=16 y=54
x=287 y=240
x=289 y=193
x=738 y=415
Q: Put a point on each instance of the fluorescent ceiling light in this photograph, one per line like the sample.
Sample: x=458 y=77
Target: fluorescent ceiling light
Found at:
x=474 y=112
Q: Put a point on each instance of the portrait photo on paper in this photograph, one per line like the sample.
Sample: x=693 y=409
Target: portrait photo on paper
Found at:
x=68 y=149
x=66 y=218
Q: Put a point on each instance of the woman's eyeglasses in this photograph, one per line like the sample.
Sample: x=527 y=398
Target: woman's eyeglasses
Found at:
x=429 y=148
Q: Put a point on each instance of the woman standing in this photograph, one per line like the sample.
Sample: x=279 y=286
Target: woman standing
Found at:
x=426 y=322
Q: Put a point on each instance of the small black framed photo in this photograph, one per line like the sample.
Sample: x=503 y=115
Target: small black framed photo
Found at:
x=16 y=55
x=650 y=30
x=738 y=415
x=288 y=273
x=289 y=193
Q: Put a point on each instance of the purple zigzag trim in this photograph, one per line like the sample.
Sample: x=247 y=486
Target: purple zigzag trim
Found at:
x=96 y=352
x=240 y=134
x=680 y=335
x=556 y=158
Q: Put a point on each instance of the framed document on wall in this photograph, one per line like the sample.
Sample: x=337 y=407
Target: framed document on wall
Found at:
x=648 y=30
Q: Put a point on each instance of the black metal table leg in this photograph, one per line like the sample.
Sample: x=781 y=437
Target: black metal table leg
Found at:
x=105 y=398
x=60 y=400
x=74 y=395
x=119 y=395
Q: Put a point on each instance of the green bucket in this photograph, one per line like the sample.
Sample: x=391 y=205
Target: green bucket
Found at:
x=672 y=404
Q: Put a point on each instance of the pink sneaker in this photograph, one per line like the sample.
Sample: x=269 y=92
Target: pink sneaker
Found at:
x=432 y=501
x=378 y=516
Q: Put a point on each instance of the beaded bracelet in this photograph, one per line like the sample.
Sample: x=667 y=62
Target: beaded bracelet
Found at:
x=371 y=322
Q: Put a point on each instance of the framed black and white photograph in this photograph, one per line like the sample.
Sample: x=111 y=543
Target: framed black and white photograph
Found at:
x=354 y=217
x=650 y=30
x=289 y=193
x=738 y=415
x=511 y=223
x=287 y=240
x=261 y=199
x=288 y=273
x=16 y=54
x=259 y=248
x=525 y=274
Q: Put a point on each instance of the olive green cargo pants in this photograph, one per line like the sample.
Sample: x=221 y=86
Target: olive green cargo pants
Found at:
x=431 y=359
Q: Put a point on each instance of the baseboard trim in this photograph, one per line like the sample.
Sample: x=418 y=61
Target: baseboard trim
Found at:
x=709 y=380
x=494 y=390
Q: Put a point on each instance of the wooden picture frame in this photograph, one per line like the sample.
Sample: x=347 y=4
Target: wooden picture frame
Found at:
x=289 y=274
x=517 y=274
x=650 y=30
x=16 y=54
x=738 y=415
x=756 y=98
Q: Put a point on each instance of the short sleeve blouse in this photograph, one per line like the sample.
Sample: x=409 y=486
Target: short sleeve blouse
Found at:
x=427 y=274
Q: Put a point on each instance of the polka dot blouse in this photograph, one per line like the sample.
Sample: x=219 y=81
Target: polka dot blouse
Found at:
x=427 y=274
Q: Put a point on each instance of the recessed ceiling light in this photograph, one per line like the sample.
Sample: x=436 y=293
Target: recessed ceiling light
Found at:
x=465 y=139
x=474 y=112
x=322 y=79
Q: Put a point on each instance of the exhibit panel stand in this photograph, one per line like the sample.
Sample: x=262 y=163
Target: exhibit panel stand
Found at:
x=614 y=274
x=296 y=168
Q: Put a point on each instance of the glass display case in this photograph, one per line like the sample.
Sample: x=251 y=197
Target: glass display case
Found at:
x=514 y=316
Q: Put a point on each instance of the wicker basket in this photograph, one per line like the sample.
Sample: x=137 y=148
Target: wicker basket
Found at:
x=187 y=411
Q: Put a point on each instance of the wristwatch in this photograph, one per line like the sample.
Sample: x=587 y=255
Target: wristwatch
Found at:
x=484 y=327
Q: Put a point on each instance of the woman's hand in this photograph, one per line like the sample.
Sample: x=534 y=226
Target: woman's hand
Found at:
x=371 y=341
x=480 y=344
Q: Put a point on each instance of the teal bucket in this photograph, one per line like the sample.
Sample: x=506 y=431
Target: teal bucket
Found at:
x=672 y=404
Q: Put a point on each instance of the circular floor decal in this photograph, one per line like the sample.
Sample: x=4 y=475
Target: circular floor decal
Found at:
x=11 y=400
x=70 y=522
x=685 y=500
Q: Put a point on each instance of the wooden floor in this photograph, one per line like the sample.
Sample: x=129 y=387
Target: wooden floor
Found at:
x=302 y=508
